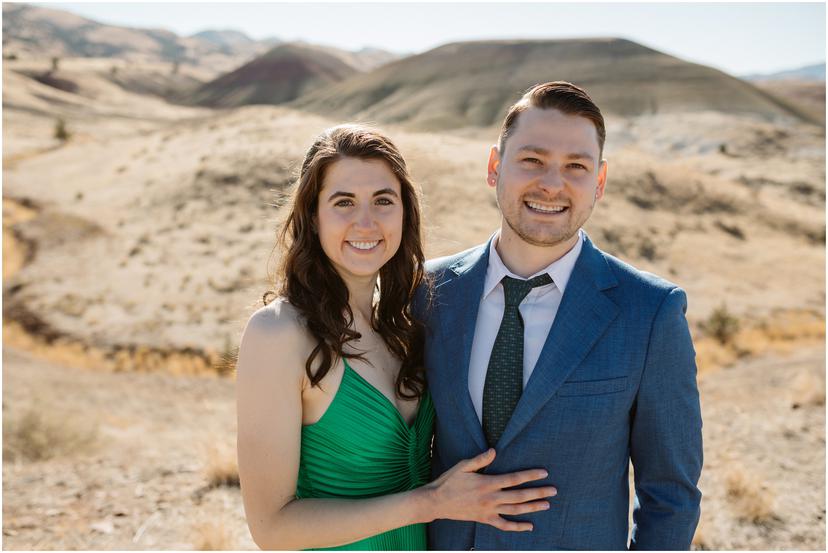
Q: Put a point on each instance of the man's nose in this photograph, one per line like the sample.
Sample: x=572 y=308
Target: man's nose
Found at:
x=552 y=179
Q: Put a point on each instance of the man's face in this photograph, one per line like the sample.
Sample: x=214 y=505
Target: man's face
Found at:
x=548 y=177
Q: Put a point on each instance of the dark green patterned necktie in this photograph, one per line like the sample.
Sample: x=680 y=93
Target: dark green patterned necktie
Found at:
x=504 y=377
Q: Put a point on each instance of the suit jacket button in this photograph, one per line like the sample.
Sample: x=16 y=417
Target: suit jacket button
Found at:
x=471 y=548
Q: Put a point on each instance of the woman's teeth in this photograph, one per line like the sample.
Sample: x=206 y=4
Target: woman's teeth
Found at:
x=364 y=245
x=546 y=209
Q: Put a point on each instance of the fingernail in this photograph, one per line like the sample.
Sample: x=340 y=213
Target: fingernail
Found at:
x=554 y=492
x=546 y=505
x=545 y=474
x=531 y=528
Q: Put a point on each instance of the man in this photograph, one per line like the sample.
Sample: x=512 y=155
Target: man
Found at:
x=560 y=356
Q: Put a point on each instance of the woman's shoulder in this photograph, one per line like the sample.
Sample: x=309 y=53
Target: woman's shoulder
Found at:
x=276 y=331
x=278 y=317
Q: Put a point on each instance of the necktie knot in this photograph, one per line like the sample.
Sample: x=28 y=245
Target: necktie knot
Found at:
x=516 y=290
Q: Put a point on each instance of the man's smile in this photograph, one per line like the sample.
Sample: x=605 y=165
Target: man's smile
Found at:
x=539 y=207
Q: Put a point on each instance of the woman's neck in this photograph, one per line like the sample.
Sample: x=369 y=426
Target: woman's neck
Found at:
x=361 y=297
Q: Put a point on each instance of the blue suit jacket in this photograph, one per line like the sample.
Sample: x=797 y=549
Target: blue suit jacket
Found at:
x=616 y=380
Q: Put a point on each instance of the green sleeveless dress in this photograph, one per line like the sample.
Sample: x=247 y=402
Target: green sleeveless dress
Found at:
x=361 y=448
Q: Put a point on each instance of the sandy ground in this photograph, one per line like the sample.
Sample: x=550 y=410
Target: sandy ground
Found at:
x=133 y=487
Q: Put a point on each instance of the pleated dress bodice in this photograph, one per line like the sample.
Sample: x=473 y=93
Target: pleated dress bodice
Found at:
x=361 y=448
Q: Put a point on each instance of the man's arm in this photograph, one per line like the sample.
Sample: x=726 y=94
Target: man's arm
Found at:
x=666 y=435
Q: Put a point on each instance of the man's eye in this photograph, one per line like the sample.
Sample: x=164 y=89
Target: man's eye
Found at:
x=531 y=160
x=577 y=166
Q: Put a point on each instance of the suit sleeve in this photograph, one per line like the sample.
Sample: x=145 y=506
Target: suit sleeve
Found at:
x=666 y=435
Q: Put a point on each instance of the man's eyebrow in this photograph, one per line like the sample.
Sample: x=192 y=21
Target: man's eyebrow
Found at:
x=544 y=152
x=581 y=155
x=535 y=149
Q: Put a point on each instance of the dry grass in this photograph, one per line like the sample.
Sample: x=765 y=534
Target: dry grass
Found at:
x=221 y=467
x=808 y=389
x=750 y=498
x=38 y=433
x=701 y=541
x=72 y=351
x=784 y=332
x=212 y=536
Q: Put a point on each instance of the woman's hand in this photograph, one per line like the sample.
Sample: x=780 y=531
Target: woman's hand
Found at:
x=461 y=493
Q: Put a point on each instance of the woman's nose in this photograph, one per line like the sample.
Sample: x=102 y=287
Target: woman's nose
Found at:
x=365 y=219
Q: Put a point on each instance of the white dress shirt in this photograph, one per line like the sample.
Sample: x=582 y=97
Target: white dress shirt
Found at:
x=538 y=311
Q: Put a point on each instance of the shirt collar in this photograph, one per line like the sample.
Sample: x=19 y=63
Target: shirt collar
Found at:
x=559 y=270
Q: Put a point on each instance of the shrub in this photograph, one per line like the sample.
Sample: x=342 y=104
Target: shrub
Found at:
x=61 y=132
x=37 y=435
x=721 y=324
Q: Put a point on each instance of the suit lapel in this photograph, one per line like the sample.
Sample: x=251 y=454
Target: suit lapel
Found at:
x=583 y=316
x=459 y=300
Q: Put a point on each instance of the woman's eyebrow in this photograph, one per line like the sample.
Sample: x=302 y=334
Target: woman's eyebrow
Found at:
x=339 y=193
x=386 y=191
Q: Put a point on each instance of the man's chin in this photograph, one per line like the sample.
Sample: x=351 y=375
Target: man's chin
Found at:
x=546 y=239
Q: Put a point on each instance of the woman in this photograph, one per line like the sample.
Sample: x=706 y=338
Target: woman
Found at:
x=334 y=420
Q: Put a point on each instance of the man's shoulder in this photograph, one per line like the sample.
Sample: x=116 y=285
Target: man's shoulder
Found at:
x=633 y=280
x=437 y=268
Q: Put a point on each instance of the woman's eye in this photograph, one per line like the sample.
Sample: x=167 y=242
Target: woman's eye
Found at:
x=343 y=203
x=384 y=201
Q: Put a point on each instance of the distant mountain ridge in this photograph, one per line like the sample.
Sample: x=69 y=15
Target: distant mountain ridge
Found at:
x=815 y=72
x=36 y=32
x=32 y=31
x=472 y=83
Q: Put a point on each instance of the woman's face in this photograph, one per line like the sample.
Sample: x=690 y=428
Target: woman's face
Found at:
x=360 y=216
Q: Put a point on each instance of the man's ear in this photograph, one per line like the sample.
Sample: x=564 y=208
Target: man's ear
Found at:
x=493 y=166
x=602 y=180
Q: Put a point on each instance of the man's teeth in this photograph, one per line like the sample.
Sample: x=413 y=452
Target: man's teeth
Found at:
x=546 y=209
x=364 y=245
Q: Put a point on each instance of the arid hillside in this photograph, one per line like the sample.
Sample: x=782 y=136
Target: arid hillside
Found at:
x=32 y=32
x=277 y=76
x=809 y=95
x=471 y=84
x=688 y=197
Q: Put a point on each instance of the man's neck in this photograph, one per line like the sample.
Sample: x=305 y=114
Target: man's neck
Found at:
x=525 y=259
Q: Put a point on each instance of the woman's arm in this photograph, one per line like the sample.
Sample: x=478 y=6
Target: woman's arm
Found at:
x=270 y=374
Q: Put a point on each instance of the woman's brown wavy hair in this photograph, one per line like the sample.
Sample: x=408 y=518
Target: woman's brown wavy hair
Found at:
x=308 y=280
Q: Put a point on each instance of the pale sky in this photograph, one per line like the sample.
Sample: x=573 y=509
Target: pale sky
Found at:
x=739 y=38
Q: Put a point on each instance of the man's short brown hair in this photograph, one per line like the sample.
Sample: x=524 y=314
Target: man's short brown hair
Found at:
x=560 y=95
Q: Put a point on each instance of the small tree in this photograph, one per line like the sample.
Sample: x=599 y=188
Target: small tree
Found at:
x=61 y=132
x=175 y=68
x=55 y=63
